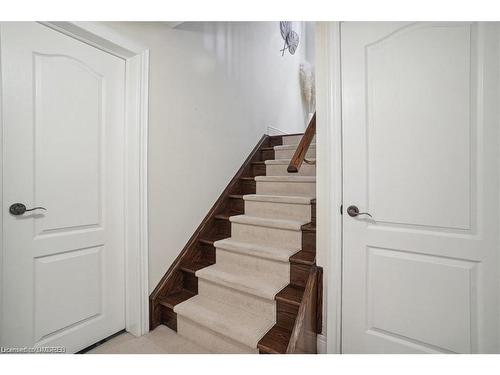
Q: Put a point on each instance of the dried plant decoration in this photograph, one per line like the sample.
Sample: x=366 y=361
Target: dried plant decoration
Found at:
x=307 y=85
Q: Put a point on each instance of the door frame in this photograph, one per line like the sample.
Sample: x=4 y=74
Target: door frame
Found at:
x=329 y=177
x=136 y=59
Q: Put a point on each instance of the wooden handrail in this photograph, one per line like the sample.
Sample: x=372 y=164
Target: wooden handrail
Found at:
x=308 y=322
x=301 y=151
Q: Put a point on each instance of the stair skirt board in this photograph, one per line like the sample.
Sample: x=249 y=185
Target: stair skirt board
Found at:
x=234 y=304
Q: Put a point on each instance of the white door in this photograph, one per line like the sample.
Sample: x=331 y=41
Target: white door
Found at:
x=421 y=155
x=63 y=145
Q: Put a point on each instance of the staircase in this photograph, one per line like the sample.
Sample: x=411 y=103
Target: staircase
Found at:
x=239 y=284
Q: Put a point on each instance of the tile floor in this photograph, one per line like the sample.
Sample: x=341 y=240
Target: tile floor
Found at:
x=160 y=341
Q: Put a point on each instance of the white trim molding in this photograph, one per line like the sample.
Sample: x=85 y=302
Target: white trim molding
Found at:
x=329 y=178
x=271 y=130
x=136 y=163
x=321 y=344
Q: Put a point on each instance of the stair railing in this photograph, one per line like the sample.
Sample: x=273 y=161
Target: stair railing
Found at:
x=308 y=322
x=300 y=153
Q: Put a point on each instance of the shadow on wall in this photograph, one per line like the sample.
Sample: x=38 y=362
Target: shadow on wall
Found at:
x=248 y=55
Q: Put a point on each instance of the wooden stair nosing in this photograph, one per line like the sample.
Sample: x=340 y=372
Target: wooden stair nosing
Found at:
x=309 y=227
x=227 y=215
x=210 y=241
x=291 y=294
x=275 y=341
x=303 y=257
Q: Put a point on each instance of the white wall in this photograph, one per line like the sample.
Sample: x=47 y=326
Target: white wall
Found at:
x=214 y=90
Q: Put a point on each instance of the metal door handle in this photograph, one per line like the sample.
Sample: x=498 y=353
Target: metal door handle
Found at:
x=19 y=209
x=353 y=211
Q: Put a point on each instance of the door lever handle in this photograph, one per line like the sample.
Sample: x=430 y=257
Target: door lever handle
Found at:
x=19 y=209
x=353 y=211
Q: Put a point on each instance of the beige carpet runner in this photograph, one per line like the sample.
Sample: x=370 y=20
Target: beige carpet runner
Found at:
x=235 y=305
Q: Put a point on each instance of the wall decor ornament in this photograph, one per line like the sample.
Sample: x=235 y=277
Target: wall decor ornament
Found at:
x=290 y=37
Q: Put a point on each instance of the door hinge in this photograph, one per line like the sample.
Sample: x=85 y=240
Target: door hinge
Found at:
x=341 y=209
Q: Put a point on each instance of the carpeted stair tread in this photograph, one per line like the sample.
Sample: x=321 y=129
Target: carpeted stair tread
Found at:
x=283 y=161
x=270 y=223
x=297 y=179
x=294 y=139
x=292 y=147
x=257 y=243
x=259 y=284
x=278 y=199
x=259 y=251
x=230 y=321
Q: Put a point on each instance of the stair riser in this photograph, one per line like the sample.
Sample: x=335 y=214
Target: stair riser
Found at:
x=235 y=261
x=253 y=304
x=286 y=314
x=273 y=210
x=303 y=189
x=209 y=339
x=259 y=169
x=246 y=187
x=267 y=155
x=236 y=205
x=288 y=154
x=280 y=170
x=294 y=139
x=266 y=236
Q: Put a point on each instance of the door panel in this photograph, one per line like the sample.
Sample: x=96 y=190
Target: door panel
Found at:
x=58 y=104
x=420 y=141
x=418 y=90
x=63 y=140
x=58 y=308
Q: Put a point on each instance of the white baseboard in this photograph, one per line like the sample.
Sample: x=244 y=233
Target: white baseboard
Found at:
x=271 y=130
x=321 y=343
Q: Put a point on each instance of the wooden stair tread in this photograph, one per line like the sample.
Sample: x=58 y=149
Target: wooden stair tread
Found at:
x=259 y=162
x=227 y=215
x=236 y=196
x=267 y=149
x=175 y=298
x=248 y=178
x=291 y=294
x=210 y=241
x=303 y=257
x=196 y=265
x=275 y=341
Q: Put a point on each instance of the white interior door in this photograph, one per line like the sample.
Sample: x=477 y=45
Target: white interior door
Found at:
x=63 y=144
x=420 y=142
